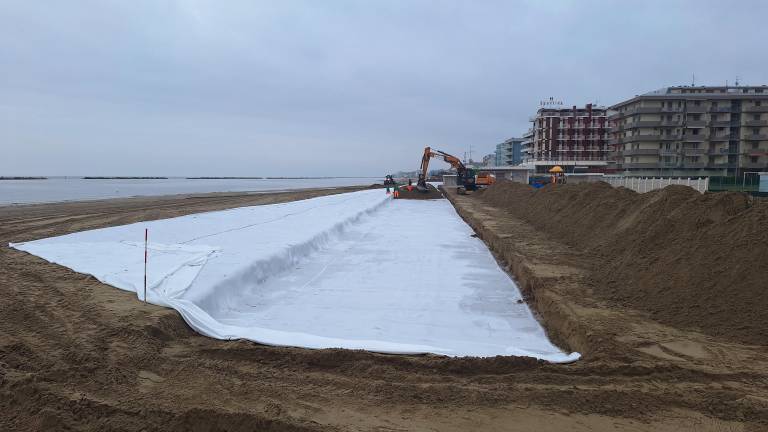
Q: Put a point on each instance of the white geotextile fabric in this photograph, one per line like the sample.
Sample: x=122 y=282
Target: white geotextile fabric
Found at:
x=354 y=270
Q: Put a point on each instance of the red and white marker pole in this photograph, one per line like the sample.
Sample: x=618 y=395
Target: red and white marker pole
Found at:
x=146 y=239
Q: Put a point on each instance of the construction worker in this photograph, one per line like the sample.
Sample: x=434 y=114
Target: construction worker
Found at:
x=389 y=182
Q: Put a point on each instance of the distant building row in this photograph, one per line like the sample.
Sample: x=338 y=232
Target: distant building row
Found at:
x=691 y=131
x=510 y=152
x=675 y=131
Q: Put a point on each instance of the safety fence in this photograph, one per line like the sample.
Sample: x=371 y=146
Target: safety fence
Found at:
x=647 y=184
x=746 y=182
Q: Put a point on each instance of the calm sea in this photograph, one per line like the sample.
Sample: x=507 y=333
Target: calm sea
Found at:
x=56 y=189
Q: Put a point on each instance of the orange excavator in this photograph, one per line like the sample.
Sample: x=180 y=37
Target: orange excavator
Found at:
x=465 y=177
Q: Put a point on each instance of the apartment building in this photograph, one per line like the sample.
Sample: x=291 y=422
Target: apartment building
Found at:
x=509 y=152
x=573 y=138
x=691 y=131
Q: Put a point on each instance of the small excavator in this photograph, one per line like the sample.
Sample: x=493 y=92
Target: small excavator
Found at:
x=465 y=177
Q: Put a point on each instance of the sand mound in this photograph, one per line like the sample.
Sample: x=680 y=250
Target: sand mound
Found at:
x=689 y=260
x=431 y=193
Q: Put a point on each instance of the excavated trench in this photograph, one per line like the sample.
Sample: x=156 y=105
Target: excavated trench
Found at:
x=556 y=315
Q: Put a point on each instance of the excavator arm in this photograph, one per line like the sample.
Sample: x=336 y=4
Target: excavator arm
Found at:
x=455 y=162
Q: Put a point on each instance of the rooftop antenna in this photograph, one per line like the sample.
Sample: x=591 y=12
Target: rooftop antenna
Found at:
x=737 y=81
x=693 y=80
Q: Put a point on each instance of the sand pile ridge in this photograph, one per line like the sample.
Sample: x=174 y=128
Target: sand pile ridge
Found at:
x=691 y=260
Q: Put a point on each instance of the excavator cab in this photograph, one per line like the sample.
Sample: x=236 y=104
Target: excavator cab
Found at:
x=466 y=182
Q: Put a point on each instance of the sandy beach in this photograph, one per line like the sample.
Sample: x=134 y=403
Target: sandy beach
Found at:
x=76 y=354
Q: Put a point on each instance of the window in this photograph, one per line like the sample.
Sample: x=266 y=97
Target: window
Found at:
x=755 y=131
x=694 y=131
x=753 y=159
x=697 y=103
x=714 y=117
x=756 y=116
x=714 y=104
x=754 y=145
x=758 y=103
x=696 y=117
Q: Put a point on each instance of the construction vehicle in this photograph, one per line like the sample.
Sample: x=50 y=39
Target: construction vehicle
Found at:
x=466 y=180
x=484 y=179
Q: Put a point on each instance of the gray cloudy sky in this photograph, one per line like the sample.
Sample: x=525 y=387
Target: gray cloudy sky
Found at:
x=245 y=87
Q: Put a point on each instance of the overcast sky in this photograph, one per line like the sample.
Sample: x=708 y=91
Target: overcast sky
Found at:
x=327 y=87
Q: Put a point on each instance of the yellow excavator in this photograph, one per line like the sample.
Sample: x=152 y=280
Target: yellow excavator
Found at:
x=466 y=180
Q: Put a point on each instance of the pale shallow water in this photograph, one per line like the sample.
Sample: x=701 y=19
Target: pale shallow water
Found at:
x=58 y=189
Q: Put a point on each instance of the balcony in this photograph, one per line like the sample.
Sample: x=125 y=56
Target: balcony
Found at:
x=636 y=138
x=755 y=165
x=696 y=109
x=695 y=138
x=646 y=110
x=668 y=165
x=718 y=152
x=671 y=123
x=670 y=109
x=638 y=165
x=724 y=137
x=761 y=108
x=639 y=124
x=639 y=152
x=756 y=137
x=695 y=123
x=693 y=165
x=723 y=165
x=693 y=151
x=565 y=149
x=720 y=109
x=757 y=123
x=720 y=123
x=671 y=137
x=668 y=152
